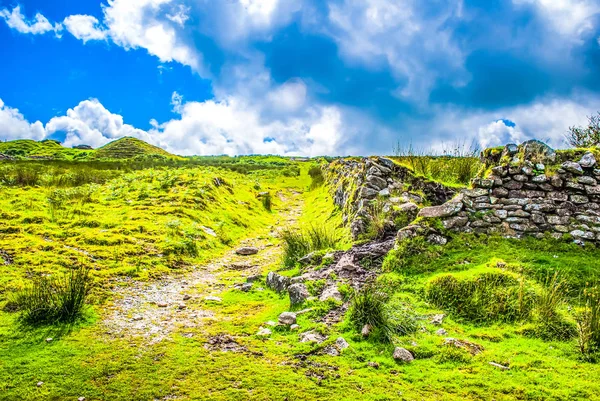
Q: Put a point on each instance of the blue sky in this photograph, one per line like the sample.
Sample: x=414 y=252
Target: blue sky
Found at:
x=298 y=76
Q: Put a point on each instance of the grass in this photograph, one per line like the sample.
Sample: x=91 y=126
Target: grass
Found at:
x=299 y=242
x=52 y=300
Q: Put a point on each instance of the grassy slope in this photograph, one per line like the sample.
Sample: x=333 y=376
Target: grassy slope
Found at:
x=129 y=147
x=44 y=149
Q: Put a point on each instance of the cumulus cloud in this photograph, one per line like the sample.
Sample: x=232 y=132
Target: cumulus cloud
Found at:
x=37 y=26
x=499 y=132
x=92 y=124
x=13 y=125
x=85 y=27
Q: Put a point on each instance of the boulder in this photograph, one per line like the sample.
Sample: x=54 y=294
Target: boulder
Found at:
x=341 y=343
x=572 y=167
x=403 y=355
x=287 y=318
x=331 y=292
x=298 y=294
x=376 y=182
x=312 y=337
x=587 y=160
x=535 y=150
x=277 y=282
x=247 y=251
x=446 y=210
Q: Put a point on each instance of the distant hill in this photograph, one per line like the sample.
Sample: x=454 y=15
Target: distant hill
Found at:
x=128 y=147
x=124 y=148
x=46 y=149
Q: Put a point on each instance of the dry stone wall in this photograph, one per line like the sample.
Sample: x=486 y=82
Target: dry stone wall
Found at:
x=527 y=193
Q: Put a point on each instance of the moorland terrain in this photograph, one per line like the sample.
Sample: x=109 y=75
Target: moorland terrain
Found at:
x=128 y=273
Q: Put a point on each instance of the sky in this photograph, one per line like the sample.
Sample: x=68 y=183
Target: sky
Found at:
x=298 y=77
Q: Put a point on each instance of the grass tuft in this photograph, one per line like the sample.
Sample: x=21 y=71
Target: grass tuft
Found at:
x=300 y=242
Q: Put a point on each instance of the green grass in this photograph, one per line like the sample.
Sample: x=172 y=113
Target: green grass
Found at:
x=158 y=220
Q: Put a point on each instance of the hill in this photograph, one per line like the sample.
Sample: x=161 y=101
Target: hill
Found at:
x=46 y=149
x=128 y=147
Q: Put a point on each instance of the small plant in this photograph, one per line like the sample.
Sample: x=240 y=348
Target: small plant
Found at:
x=368 y=308
x=300 y=242
x=55 y=300
x=267 y=201
x=316 y=176
x=588 y=324
x=585 y=137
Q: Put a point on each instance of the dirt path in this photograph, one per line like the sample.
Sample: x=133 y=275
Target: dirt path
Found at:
x=154 y=310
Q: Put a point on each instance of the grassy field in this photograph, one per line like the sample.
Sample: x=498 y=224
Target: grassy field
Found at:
x=170 y=229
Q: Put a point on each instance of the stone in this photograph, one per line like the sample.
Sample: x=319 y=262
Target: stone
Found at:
x=572 y=167
x=368 y=193
x=437 y=319
x=49 y=339
x=247 y=251
x=311 y=258
x=137 y=318
x=510 y=150
x=511 y=184
x=331 y=292
x=501 y=214
x=437 y=239
x=540 y=179
x=40 y=384
x=587 y=160
x=587 y=180
x=287 y=318
x=264 y=332
x=346 y=262
x=537 y=151
x=81 y=399
x=456 y=221
x=294 y=327
x=312 y=337
x=579 y=199
x=499 y=170
x=373 y=365
x=475 y=192
x=446 y=210
x=181 y=306
x=574 y=185
x=500 y=192
x=212 y=298
x=162 y=304
x=298 y=294
x=403 y=355
x=595 y=190
x=277 y=282
x=384 y=193
x=366 y=330
x=556 y=181
x=520 y=178
x=376 y=182
x=441 y=332
x=497 y=365
x=341 y=343
x=187 y=297
x=557 y=196
x=246 y=287
x=579 y=234
x=389 y=163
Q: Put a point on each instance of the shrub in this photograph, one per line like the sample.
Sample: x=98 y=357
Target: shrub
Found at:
x=368 y=308
x=267 y=201
x=550 y=323
x=55 y=300
x=411 y=256
x=316 y=176
x=585 y=137
x=486 y=296
x=300 y=242
x=588 y=324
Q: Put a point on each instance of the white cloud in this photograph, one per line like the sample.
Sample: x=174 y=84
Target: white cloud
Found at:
x=568 y=17
x=497 y=133
x=37 y=26
x=92 y=124
x=14 y=126
x=85 y=27
x=289 y=97
x=142 y=24
x=380 y=33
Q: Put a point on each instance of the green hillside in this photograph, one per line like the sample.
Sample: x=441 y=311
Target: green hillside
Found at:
x=46 y=149
x=128 y=147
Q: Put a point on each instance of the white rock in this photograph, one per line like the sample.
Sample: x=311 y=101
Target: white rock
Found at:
x=441 y=332
x=212 y=298
x=264 y=332
x=402 y=354
x=341 y=343
x=312 y=337
x=294 y=327
x=287 y=318
x=331 y=292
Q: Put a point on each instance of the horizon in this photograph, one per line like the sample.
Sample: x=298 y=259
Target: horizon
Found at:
x=298 y=78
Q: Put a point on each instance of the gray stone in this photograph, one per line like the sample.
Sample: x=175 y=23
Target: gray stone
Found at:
x=511 y=184
x=556 y=181
x=212 y=298
x=376 y=182
x=595 y=190
x=331 y=292
x=587 y=160
x=437 y=319
x=579 y=234
x=346 y=262
x=294 y=327
x=446 y=210
x=572 y=167
x=456 y=221
x=475 y=192
x=587 y=180
x=277 y=282
x=437 y=239
x=501 y=214
x=366 y=330
x=579 y=199
x=341 y=343
x=287 y=318
x=520 y=178
x=540 y=179
x=298 y=294
x=441 y=332
x=510 y=150
x=247 y=251
x=538 y=151
x=557 y=196
x=246 y=287
x=368 y=193
x=500 y=192
x=403 y=355
x=385 y=192
x=312 y=337
x=264 y=332
x=574 y=185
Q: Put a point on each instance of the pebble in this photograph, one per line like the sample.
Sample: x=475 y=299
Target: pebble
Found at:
x=40 y=384
x=49 y=339
x=181 y=306
x=136 y=318
x=162 y=304
x=212 y=298
x=187 y=297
